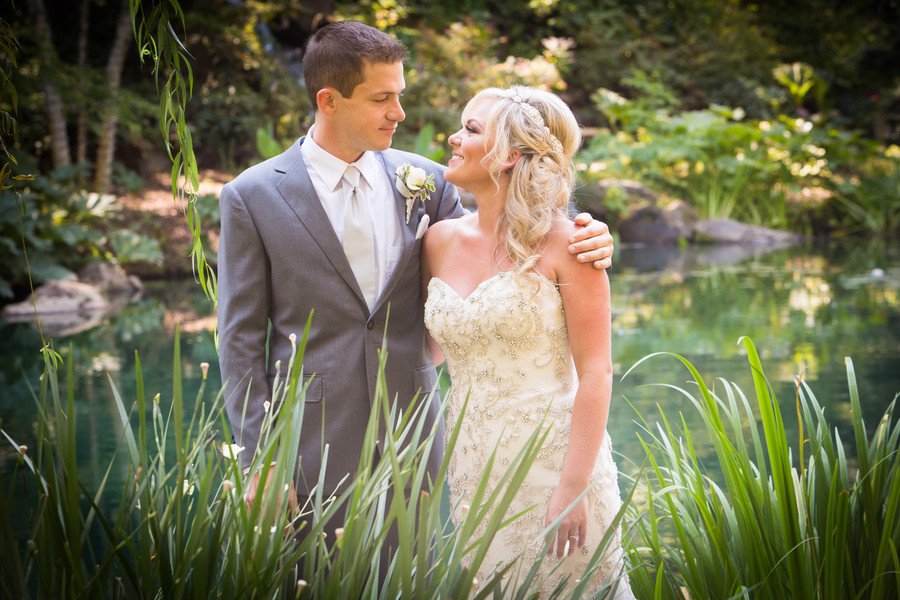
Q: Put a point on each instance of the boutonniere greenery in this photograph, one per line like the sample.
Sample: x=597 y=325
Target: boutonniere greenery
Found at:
x=414 y=184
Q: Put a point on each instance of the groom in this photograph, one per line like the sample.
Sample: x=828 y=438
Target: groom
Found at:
x=288 y=246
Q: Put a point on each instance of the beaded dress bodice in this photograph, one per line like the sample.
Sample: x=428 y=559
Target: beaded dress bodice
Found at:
x=508 y=355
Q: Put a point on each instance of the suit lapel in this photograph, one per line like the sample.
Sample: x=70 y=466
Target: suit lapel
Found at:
x=408 y=230
x=298 y=192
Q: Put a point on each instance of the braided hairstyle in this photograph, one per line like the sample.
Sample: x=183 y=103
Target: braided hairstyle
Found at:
x=540 y=126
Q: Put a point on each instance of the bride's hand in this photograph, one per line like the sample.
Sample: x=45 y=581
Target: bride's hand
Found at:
x=573 y=529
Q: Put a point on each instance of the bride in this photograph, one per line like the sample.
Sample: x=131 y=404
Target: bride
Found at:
x=523 y=326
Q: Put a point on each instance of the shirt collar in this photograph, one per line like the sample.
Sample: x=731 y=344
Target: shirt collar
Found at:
x=331 y=168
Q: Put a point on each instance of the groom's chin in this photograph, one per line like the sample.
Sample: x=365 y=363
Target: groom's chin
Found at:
x=385 y=139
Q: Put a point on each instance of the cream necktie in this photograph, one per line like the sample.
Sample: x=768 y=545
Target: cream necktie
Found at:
x=359 y=242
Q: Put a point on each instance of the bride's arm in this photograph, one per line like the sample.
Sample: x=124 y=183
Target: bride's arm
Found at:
x=586 y=300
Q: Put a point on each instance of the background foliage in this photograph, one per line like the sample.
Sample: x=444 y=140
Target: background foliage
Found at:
x=694 y=83
x=765 y=134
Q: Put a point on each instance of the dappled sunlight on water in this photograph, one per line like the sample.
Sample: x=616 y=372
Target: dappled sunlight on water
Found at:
x=808 y=296
x=805 y=309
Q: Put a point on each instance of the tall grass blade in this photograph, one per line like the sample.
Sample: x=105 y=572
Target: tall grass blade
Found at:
x=814 y=529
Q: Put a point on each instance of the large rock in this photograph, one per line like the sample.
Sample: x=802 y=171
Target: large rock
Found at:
x=727 y=231
x=68 y=306
x=64 y=306
x=59 y=296
x=632 y=190
x=604 y=199
x=110 y=279
x=653 y=219
x=652 y=224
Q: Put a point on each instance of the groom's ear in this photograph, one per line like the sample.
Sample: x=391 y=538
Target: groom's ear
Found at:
x=325 y=99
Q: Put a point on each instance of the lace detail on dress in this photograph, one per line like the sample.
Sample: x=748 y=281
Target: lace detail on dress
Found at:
x=507 y=348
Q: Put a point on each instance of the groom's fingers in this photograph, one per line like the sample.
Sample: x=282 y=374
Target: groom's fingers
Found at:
x=588 y=228
x=586 y=220
x=601 y=258
x=592 y=242
x=598 y=250
x=584 y=240
x=600 y=246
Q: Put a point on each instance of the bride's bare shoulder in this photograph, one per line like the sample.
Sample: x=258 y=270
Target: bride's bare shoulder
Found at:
x=556 y=255
x=442 y=231
x=558 y=236
x=437 y=241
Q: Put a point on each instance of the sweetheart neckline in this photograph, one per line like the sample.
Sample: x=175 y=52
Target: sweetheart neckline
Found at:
x=482 y=284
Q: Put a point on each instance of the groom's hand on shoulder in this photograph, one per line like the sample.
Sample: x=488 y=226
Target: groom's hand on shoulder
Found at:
x=592 y=242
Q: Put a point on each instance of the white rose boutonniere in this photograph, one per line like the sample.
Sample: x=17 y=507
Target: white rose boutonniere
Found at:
x=414 y=184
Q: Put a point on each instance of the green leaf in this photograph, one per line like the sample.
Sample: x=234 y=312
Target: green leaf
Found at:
x=266 y=144
x=132 y=247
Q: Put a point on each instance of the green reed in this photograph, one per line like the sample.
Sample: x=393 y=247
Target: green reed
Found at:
x=775 y=523
x=180 y=527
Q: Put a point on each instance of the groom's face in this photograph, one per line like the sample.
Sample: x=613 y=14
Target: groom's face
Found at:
x=368 y=119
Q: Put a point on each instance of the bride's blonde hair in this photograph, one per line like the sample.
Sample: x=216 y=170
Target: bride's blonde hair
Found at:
x=540 y=126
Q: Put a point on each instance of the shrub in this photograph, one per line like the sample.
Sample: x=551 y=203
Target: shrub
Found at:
x=448 y=67
x=753 y=171
x=869 y=194
x=63 y=228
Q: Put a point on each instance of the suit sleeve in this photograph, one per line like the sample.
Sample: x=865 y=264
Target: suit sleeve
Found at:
x=243 y=301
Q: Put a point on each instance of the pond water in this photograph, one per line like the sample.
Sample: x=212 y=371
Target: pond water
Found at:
x=805 y=308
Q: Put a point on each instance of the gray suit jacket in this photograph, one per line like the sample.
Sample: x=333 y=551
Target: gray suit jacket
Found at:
x=279 y=259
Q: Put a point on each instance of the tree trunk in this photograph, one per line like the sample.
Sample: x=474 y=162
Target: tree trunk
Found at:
x=81 y=142
x=110 y=111
x=59 y=138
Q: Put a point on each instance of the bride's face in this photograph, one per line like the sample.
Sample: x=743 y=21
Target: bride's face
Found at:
x=466 y=168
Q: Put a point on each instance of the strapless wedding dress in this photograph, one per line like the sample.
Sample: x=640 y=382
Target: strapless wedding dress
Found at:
x=507 y=347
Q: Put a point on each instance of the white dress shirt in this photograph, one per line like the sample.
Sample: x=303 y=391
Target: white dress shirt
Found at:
x=326 y=172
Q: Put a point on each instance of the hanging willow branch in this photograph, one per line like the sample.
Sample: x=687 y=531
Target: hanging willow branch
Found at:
x=157 y=40
x=9 y=132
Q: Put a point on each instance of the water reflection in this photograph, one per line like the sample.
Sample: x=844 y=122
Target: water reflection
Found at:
x=805 y=308
x=105 y=356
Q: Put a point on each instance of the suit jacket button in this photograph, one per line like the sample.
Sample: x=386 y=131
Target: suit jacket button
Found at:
x=370 y=325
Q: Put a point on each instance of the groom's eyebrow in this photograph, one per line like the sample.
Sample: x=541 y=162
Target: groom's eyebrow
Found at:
x=386 y=93
x=389 y=91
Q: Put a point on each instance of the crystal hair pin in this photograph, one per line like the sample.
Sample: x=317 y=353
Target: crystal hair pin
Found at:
x=533 y=114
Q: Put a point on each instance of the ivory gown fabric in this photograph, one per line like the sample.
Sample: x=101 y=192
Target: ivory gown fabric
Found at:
x=507 y=346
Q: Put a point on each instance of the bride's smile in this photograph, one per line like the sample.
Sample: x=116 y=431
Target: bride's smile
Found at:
x=466 y=166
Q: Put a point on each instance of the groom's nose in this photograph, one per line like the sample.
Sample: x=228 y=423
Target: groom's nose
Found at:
x=395 y=111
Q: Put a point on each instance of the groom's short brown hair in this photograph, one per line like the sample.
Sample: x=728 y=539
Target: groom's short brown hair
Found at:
x=335 y=56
